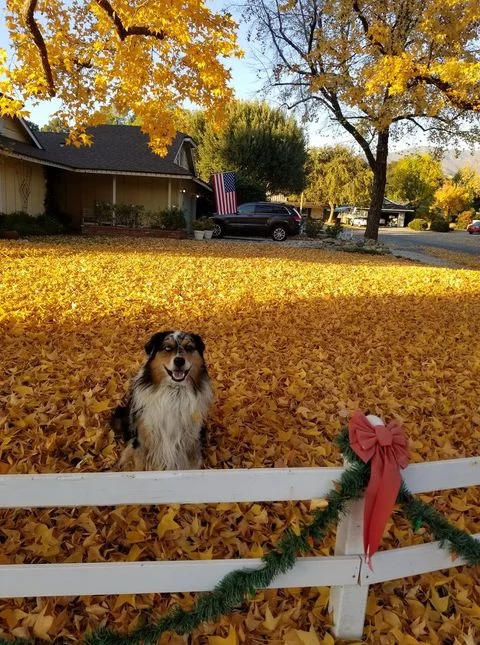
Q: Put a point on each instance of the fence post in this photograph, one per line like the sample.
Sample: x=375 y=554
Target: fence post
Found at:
x=348 y=603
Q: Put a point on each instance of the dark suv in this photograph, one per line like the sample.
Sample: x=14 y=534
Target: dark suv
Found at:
x=259 y=218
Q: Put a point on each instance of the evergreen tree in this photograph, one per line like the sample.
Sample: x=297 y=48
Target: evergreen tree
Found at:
x=262 y=144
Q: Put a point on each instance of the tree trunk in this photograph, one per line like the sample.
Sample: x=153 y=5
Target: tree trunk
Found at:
x=332 y=212
x=378 y=189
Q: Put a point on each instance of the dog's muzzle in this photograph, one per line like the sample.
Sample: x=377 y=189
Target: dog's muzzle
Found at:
x=178 y=375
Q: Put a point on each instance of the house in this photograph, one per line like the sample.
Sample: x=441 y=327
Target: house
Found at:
x=118 y=168
x=393 y=214
x=310 y=209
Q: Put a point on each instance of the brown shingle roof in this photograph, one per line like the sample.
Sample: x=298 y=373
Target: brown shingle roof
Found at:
x=121 y=148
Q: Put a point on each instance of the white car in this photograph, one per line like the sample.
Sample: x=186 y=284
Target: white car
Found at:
x=359 y=221
x=362 y=221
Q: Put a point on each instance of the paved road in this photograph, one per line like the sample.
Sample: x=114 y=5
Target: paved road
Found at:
x=404 y=238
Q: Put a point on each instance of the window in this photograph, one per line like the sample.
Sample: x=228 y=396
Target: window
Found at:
x=279 y=209
x=264 y=208
x=246 y=209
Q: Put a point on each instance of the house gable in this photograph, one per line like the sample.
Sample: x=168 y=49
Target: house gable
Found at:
x=12 y=129
x=184 y=156
x=17 y=130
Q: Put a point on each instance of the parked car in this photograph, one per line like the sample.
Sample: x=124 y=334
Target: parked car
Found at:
x=362 y=221
x=359 y=221
x=474 y=227
x=260 y=218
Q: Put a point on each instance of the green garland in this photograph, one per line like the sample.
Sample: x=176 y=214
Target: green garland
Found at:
x=458 y=542
x=242 y=584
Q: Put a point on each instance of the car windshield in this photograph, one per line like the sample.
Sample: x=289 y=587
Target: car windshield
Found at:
x=476 y=222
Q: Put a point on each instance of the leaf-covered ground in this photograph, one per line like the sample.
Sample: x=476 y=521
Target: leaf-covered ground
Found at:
x=296 y=340
x=462 y=259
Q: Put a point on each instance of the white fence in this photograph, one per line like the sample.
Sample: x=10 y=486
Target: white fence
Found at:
x=346 y=572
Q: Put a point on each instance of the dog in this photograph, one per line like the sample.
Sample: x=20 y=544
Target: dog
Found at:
x=168 y=402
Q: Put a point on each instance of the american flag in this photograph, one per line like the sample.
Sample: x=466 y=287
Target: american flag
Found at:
x=224 y=190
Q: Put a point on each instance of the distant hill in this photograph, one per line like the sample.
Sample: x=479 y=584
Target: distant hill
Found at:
x=450 y=162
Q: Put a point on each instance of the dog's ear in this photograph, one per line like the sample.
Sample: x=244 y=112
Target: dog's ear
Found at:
x=199 y=344
x=155 y=342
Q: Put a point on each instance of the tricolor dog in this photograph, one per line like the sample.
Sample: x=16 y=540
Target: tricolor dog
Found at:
x=167 y=406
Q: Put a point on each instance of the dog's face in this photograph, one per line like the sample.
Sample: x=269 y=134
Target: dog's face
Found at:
x=175 y=355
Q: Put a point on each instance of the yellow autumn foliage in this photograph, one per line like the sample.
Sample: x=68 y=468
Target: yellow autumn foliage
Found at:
x=296 y=340
x=140 y=56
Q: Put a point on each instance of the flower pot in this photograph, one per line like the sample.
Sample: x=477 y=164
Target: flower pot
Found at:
x=198 y=235
x=208 y=235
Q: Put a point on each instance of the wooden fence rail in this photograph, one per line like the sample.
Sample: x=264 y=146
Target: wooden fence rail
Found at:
x=346 y=572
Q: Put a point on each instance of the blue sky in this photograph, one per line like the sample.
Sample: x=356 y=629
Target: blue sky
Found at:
x=245 y=82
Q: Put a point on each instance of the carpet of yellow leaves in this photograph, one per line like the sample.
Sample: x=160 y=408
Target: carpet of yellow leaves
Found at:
x=296 y=340
x=463 y=259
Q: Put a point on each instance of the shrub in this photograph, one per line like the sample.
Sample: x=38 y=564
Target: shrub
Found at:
x=439 y=225
x=103 y=212
x=149 y=219
x=418 y=224
x=172 y=219
x=313 y=227
x=127 y=214
x=209 y=224
x=333 y=230
x=26 y=224
x=464 y=219
x=203 y=224
x=199 y=224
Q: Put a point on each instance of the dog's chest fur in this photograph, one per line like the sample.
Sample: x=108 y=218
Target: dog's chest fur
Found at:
x=169 y=418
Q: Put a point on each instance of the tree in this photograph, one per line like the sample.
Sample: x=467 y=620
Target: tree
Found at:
x=336 y=176
x=377 y=68
x=54 y=124
x=33 y=126
x=142 y=56
x=469 y=179
x=263 y=145
x=414 y=179
x=451 y=199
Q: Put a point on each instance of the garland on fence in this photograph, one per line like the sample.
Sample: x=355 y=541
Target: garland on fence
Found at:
x=242 y=584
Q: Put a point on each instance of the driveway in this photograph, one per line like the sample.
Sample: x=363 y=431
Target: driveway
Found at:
x=404 y=238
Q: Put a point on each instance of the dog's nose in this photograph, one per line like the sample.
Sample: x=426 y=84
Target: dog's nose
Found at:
x=179 y=361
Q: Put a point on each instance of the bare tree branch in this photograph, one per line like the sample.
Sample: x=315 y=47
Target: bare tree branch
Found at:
x=335 y=107
x=133 y=30
x=29 y=9
x=449 y=92
x=366 y=28
x=29 y=16
x=290 y=42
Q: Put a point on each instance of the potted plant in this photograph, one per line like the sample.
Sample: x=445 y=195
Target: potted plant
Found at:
x=208 y=225
x=198 y=229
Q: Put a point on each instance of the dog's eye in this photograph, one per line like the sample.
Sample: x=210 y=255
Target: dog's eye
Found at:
x=189 y=348
x=168 y=349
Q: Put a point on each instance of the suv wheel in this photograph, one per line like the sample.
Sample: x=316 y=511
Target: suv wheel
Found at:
x=218 y=230
x=279 y=233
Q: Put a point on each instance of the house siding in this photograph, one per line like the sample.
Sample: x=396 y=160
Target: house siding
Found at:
x=22 y=186
x=77 y=193
x=13 y=129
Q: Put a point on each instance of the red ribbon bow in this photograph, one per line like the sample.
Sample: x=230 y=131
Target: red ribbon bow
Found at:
x=387 y=449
